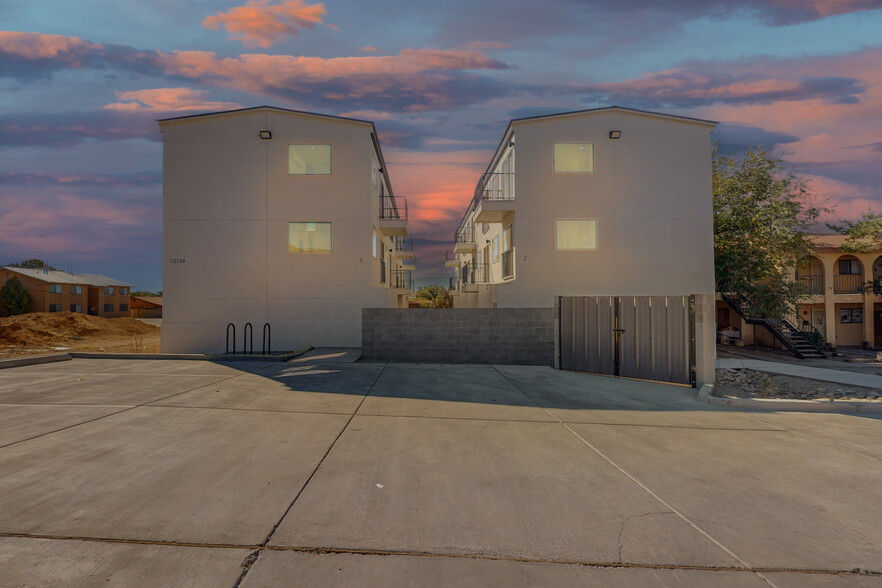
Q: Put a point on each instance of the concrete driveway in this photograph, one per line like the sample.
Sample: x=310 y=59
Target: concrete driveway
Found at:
x=333 y=473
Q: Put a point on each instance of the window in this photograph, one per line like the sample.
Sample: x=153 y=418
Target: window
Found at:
x=506 y=238
x=575 y=235
x=123 y=307
x=485 y=227
x=574 y=158
x=108 y=291
x=309 y=160
x=375 y=244
x=849 y=266
x=309 y=237
x=123 y=291
x=76 y=308
x=76 y=290
x=55 y=288
x=495 y=248
x=851 y=315
x=54 y=308
x=108 y=308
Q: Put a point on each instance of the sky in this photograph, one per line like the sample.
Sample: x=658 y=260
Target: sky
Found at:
x=83 y=83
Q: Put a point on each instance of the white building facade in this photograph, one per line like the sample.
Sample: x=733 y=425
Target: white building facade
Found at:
x=279 y=217
x=609 y=202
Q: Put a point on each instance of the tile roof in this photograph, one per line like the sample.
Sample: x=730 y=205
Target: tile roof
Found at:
x=57 y=277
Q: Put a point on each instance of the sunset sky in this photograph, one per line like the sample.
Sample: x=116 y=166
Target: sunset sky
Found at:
x=84 y=81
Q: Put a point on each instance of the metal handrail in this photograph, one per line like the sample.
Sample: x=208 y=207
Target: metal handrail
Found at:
x=847 y=283
x=465 y=234
x=814 y=284
x=495 y=186
x=393 y=208
x=266 y=340
x=402 y=279
x=403 y=243
x=249 y=329
x=227 y=350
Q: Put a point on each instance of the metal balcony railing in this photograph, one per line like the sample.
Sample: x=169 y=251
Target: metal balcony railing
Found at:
x=465 y=234
x=847 y=283
x=508 y=263
x=475 y=273
x=496 y=186
x=401 y=279
x=403 y=244
x=393 y=208
x=813 y=284
x=382 y=271
x=449 y=255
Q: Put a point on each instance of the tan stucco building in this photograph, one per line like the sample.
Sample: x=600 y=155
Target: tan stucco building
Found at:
x=281 y=217
x=57 y=291
x=609 y=202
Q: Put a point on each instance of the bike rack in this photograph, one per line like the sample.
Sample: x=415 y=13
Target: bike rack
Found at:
x=267 y=335
x=228 y=338
x=248 y=330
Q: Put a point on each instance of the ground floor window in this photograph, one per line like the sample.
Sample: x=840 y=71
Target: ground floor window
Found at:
x=123 y=307
x=851 y=315
x=309 y=237
x=54 y=308
x=575 y=234
x=108 y=308
x=76 y=308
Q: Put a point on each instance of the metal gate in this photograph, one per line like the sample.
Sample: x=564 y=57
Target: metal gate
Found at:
x=646 y=337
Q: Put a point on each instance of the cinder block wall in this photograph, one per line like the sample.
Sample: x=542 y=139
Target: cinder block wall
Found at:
x=459 y=335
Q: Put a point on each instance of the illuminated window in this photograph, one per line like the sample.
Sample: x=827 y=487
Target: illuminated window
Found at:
x=309 y=237
x=55 y=288
x=573 y=158
x=309 y=160
x=375 y=245
x=575 y=235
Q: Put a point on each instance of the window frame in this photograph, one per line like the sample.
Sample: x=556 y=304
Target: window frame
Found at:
x=108 y=307
x=852 y=263
x=55 y=308
x=330 y=250
x=108 y=290
x=596 y=235
x=494 y=248
x=306 y=173
x=56 y=289
x=554 y=145
x=76 y=289
x=76 y=308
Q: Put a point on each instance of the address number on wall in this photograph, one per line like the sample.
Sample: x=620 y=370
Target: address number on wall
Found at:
x=177 y=260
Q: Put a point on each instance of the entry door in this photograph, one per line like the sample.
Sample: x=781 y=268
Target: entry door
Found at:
x=818 y=321
x=646 y=337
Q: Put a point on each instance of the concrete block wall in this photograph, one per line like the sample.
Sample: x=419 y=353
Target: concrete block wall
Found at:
x=523 y=336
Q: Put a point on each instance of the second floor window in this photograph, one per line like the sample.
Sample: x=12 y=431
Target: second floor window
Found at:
x=55 y=288
x=574 y=158
x=108 y=291
x=849 y=266
x=309 y=160
x=76 y=290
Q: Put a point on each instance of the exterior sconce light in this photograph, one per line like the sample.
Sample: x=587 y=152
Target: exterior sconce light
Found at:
x=265 y=134
x=380 y=170
x=615 y=134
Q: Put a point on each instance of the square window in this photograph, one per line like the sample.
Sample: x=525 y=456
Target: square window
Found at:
x=574 y=158
x=108 y=291
x=76 y=290
x=123 y=291
x=54 y=308
x=76 y=308
x=575 y=235
x=123 y=307
x=849 y=266
x=108 y=308
x=309 y=237
x=55 y=288
x=309 y=160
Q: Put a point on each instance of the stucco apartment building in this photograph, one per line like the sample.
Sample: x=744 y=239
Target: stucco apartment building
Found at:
x=57 y=291
x=281 y=217
x=844 y=301
x=605 y=214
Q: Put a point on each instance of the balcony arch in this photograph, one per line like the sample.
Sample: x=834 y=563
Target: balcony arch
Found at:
x=848 y=275
x=810 y=274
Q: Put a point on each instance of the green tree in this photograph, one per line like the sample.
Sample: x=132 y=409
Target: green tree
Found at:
x=14 y=299
x=433 y=297
x=33 y=264
x=762 y=217
x=862 y=236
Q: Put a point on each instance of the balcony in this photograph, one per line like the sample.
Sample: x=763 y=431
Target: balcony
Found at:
x=813 y=284
x=494 y=197
x=465 y=240
x=847 y=284
x=450 y=259
x=403 y=247
x=393 y=215
x=508 y=258
x=401 y=280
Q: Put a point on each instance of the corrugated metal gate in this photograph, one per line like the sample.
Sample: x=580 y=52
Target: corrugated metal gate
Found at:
x=646 y=337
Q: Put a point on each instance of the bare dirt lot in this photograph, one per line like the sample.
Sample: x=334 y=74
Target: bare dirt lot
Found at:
x=42 y=332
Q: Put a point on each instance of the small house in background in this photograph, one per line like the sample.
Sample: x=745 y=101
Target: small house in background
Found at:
x=56 y=291
x=146 y=307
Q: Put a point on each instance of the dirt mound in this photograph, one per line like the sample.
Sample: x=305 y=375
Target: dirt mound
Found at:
x=43 y=328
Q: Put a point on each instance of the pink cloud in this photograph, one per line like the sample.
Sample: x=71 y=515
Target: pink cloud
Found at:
x=262 y=24
x=168 y=100
x=369 y=49
x=41 y=46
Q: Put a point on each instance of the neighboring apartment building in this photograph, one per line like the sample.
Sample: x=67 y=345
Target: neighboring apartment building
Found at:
x=844 y=301
x=56 y=291
x=146 y=307
x=604 y=203
x=282 y=217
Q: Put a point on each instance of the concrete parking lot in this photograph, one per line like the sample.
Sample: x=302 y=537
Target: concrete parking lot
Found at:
x=326 y=472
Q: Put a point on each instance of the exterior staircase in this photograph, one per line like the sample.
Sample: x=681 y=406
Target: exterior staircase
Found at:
x=803 y=343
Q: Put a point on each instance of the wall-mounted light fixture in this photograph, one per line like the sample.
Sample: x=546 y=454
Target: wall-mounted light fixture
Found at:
x=380 y=170
x=265 y=134
x=615 y=134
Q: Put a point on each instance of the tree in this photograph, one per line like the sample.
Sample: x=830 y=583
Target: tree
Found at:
x=33 y=264
x=433 y=297
x=14 y=299
x=762 y=217
x=862 y=236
